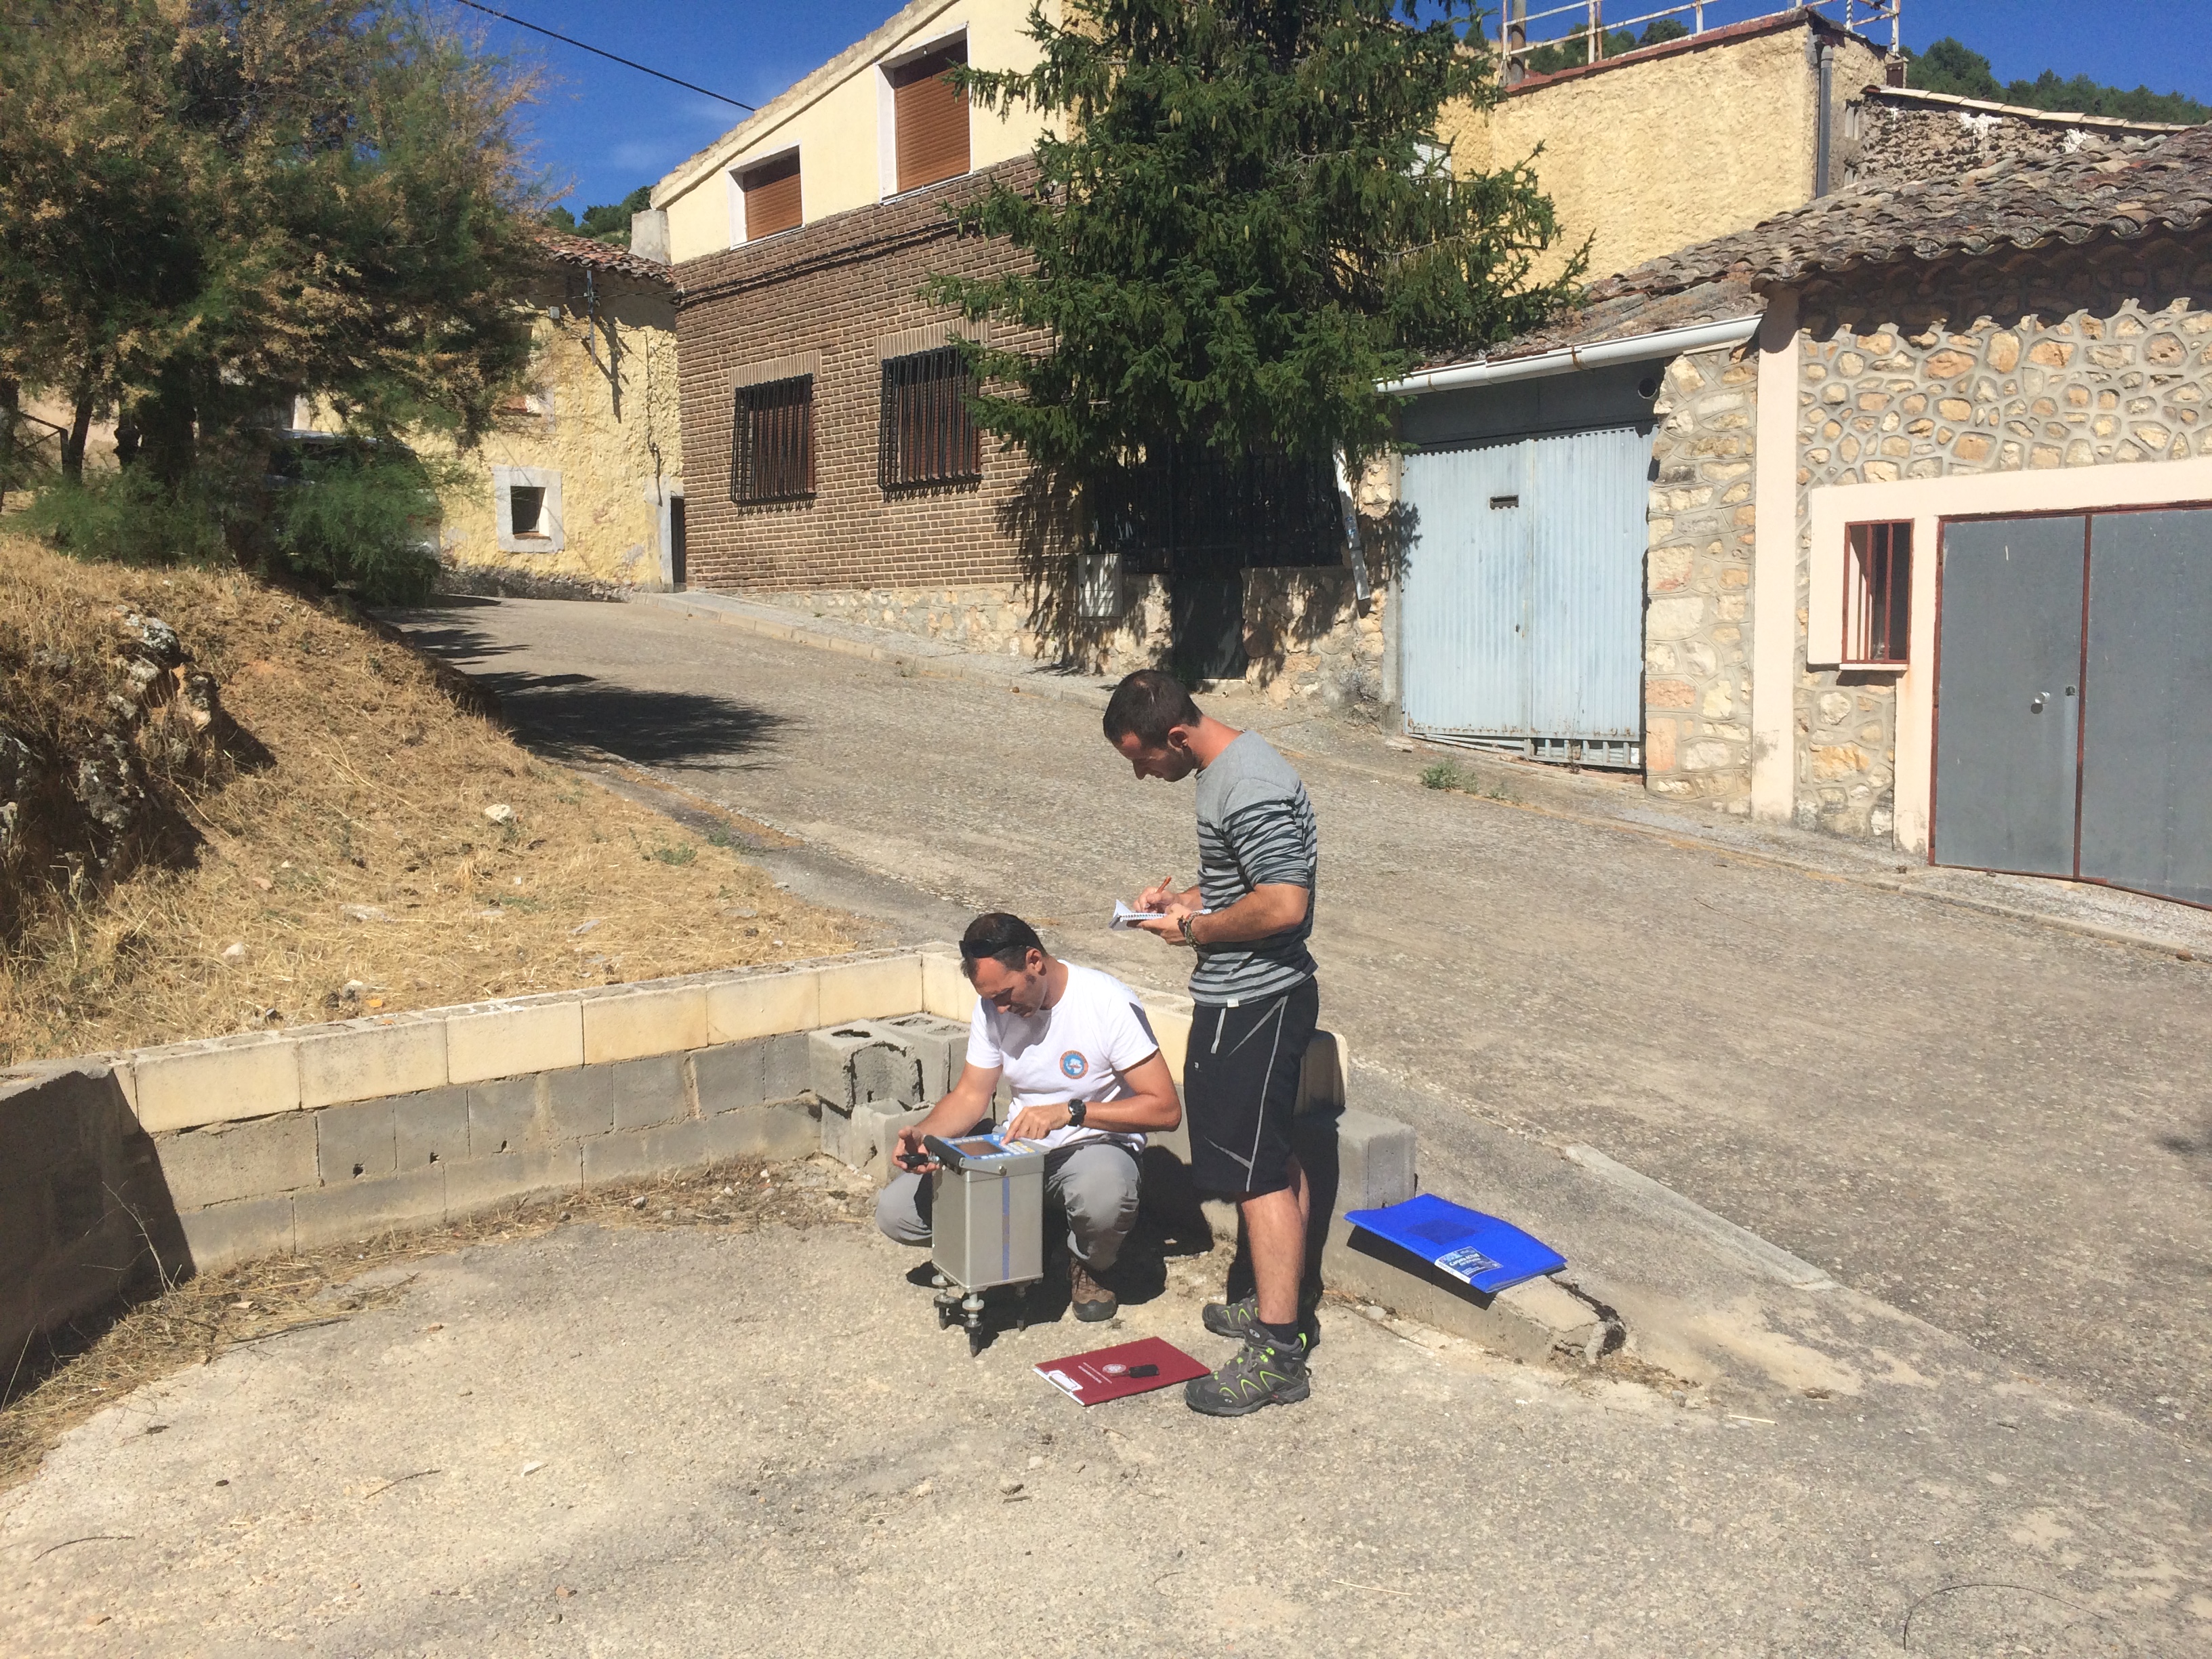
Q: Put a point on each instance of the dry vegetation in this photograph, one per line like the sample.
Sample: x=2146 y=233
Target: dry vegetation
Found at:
x=81 y=1372
x=332 y=856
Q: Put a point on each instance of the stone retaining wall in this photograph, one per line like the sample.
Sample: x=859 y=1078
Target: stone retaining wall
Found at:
x=2092 y=356
x=1307 y=635
x=1010 y=621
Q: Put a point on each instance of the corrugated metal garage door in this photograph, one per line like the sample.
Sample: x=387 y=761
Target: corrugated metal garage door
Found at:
x=1522 y=625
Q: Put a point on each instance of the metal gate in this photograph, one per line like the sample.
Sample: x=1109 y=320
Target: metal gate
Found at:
x=1523 y=625
x=2074 y=698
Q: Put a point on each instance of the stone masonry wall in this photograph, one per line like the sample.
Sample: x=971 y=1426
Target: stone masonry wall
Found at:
x=1696 y=684
x=1002 y=621
x=1902 y=136
x=1306 y=635
x=2098 y=356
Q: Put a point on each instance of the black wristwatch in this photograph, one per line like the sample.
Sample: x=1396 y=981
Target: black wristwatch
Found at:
x=1076 y=1110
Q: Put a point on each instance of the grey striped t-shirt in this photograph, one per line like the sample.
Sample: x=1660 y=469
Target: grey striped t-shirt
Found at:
x=1256 y=826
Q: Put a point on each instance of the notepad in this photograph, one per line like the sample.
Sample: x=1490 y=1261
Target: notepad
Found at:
x=1480 y=1251
x=1126 y=917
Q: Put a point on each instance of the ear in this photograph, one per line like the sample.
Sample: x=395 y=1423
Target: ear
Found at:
x=1179 y=737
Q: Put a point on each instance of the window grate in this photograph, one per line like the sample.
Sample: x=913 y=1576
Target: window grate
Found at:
x=1877 y=593
x=928 y=433
x=772 y=441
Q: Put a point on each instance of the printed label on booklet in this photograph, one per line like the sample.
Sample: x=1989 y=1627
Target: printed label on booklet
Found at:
x=1467 y=1263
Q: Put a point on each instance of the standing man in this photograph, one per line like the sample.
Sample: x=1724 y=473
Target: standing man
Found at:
x=1248 y=919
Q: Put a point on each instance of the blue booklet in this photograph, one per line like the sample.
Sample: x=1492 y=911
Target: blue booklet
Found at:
x=1479 y=1250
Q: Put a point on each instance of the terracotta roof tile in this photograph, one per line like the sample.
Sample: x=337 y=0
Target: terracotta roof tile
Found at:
x=603 y=256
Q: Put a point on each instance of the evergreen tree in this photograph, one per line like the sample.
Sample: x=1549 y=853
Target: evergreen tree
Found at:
x=1243 y=220
x=1950 y=66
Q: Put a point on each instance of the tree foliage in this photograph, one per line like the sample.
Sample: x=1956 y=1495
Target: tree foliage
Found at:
x=210 y=207
x=609 y=222
x=1243 y=219
x=1572 y=50
x=1948 y=65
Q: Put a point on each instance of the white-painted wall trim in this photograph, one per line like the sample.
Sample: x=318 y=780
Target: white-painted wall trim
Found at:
x=887 y=135
x=1927 y=502
x=1666 y=343
x=1774 y=568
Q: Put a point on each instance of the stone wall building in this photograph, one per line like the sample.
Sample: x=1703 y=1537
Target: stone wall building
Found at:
x=1843 y=411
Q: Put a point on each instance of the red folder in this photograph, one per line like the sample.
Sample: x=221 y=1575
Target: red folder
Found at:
x=1090 y=1378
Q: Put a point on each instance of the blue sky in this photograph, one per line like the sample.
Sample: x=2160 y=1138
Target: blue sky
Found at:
x=602 y=130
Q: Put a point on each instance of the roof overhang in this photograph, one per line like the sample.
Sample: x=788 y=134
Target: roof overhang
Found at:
x=1568 y=360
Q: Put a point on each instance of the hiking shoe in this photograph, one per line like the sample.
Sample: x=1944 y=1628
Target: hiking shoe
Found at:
x=1091 y=1301
x=1263 y=1373
x=1242 y=1320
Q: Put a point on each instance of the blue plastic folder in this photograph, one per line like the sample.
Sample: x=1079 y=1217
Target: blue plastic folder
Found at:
x=1479 y=1250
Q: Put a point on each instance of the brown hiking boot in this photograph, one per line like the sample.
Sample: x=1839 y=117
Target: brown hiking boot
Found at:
x=1091 y=1301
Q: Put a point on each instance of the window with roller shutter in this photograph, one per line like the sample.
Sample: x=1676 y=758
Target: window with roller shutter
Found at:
x=930 y=117
x=772 y=201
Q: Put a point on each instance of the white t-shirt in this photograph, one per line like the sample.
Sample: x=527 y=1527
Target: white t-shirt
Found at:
x=1076 y=1050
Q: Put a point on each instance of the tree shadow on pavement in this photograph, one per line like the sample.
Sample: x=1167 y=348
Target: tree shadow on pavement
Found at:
x=564 y=715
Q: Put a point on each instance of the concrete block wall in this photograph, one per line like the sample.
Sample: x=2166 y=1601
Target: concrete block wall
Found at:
x=196 y=1156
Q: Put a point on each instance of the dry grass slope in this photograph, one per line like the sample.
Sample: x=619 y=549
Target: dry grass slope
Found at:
x=336 y=857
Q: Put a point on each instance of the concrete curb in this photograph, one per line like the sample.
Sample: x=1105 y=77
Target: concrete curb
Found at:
x=1769 y=1259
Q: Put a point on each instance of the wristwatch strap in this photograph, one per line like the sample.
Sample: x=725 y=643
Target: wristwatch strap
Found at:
x=1076 y=1111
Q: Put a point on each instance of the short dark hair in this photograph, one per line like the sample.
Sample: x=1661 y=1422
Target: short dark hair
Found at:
x=1006 y=939
x=1150 y=702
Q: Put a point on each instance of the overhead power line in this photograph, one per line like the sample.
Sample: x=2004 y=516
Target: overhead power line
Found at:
x=627 y=63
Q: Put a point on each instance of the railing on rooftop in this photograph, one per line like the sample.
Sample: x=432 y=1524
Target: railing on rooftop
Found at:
x=1592 y=37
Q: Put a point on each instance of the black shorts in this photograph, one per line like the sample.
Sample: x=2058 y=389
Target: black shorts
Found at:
x=1240 y=1086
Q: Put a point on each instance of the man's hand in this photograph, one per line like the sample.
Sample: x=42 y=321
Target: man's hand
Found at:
x=1162 y=895
x=1036 y=1122
x=909 y=1147
x=1168 y=923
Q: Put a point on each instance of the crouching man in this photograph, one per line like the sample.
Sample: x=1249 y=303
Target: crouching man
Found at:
x=1087 y=1080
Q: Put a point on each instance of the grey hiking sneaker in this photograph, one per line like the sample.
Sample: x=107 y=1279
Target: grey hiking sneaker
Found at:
x=1241 y=1319
x=1263 y=1374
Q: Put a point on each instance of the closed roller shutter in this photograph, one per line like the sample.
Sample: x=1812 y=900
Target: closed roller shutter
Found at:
x=931 y=117
x=772 y=198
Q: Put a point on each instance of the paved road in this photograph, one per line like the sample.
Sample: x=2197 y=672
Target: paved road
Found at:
x=2003 y=1128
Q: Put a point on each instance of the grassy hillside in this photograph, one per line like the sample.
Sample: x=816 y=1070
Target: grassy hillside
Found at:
x=310 y=841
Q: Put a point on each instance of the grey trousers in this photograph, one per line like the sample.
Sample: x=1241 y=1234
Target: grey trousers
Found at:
x=1096 y=1183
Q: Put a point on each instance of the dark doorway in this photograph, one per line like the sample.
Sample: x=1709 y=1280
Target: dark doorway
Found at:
x=676 y=575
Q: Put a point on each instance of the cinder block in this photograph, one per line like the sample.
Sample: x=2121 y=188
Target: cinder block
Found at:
x=862 y=1060
x=888 y=1124
x=53 y=1116
x=362 y=1209
x=940 y=1044
x=189 y=1084
x=596 y=1100
x=200 y=1167
x=26 y=1229
x=631 y=1023
x=511 y=1041
x=779 y=1129
x=856 y=1139
x=478 y=1183
x=945 y=991
x=226 y=1234
x=431 y=1127
x=508 y=1115
x=882 y=988
x=786 y=1066
x=354 y=1143
x=1171 y=1030
x=369 y=1059
x=727 y=1077
x=1324 y=1081
x=615 y=1157
x=764 y=1005
x=1375 y=1161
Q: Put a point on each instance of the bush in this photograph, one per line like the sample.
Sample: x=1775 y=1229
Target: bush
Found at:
x=360 y=517
x=129 y=518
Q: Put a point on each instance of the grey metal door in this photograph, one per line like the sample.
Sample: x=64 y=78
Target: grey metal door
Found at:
x=2146 y=735
x=2008 y=707
x=1522 y=593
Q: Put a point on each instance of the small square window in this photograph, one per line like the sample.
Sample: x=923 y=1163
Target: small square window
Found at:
x=1877 y=594
x=526 y=510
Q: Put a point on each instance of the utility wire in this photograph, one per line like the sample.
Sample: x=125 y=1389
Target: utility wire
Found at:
x=627 y=63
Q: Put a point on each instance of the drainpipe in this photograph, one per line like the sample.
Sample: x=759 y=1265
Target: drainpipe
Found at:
x=1827 y=100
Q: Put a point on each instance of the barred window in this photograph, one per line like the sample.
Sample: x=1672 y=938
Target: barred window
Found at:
x=928 y=434
x=1877 y=593
x=772 y=441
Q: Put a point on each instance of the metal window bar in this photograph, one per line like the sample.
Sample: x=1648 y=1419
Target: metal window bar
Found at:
x=772 y=441
x=1592 y=26
x=1878 y=593
x=928 y=433
x=1187 y=509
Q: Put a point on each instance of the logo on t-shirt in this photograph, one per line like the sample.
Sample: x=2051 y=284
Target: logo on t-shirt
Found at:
x=1072 y=1064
